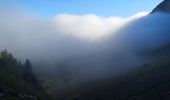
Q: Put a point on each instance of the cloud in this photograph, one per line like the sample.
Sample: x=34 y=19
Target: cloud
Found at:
x=70 y=40
x=137 y=16
x=90 y=26
x=26 y=34
x=66 y=38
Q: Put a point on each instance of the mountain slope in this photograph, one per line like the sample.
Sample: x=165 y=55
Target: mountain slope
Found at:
x=151 y=82
x=148 y=82
x=163 y=7
x=17 y=81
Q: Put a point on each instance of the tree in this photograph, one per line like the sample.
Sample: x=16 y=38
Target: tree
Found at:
x=4 y=54
x=28 y=74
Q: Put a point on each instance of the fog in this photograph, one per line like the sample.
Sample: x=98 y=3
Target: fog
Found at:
x=82 y=46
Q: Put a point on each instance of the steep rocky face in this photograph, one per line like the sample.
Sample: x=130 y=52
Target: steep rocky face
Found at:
x=163 y=7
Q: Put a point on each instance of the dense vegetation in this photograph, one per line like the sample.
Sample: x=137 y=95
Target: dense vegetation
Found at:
x=17 y=80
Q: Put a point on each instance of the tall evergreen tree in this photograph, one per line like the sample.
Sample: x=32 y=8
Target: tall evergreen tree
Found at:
x=28 y=74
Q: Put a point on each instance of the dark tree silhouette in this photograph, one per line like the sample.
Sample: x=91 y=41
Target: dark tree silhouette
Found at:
x=4 y=54
x=28 y=74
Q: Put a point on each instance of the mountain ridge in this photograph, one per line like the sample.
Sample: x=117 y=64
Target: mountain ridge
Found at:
x=164 y=6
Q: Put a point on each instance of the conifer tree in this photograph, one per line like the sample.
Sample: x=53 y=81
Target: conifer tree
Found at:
x=28 y=74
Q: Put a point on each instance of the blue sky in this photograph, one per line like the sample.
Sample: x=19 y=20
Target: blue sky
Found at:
x=49 y=8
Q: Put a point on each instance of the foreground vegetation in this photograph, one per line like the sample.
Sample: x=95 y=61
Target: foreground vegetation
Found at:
x=17 y=80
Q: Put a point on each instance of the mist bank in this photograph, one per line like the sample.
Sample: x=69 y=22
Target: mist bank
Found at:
x=85 y=46
x=129 y=47
x=28 y=35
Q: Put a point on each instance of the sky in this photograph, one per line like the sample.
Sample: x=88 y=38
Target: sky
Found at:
x=50 y=8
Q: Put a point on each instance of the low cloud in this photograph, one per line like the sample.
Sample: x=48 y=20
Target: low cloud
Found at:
x=26 y=35
x=90 y=26
x=83 y=44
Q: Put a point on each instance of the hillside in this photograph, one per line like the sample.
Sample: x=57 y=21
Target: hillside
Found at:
x=150 y=82
x=163 y=7
x=17 y=80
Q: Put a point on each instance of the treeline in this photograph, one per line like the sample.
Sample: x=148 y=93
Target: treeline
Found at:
x=18 y=81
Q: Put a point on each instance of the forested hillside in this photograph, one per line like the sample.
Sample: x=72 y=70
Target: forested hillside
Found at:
x=17 y=80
